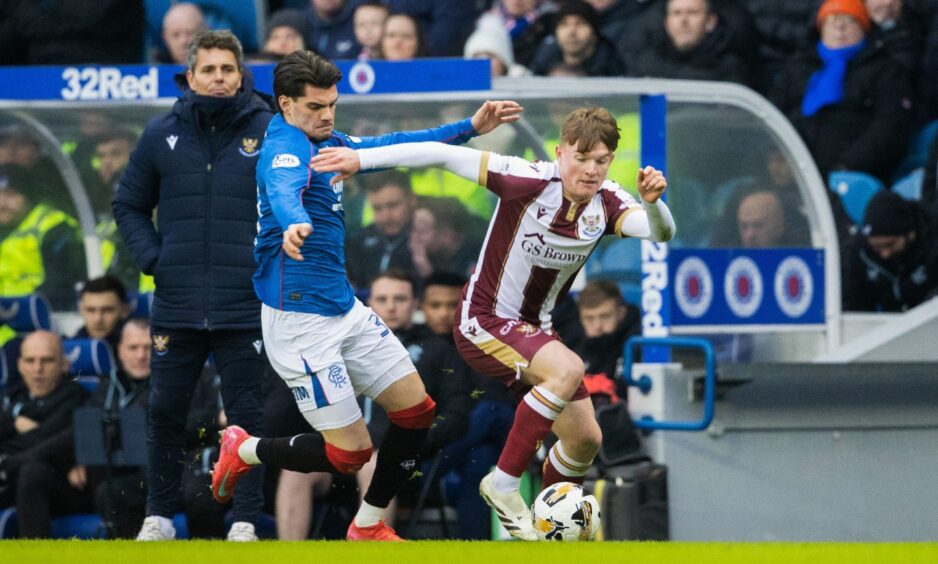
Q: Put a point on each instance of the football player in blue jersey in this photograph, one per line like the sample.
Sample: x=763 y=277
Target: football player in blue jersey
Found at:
x=326 y=345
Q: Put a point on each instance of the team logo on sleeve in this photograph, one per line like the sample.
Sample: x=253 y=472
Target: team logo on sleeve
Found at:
x=249 y=146
x=286 y=160
x=743 y=287
x=693 y=287
x=794 y=287
x=161 y=344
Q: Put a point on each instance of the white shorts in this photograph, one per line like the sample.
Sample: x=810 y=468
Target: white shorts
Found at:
x=325 y=360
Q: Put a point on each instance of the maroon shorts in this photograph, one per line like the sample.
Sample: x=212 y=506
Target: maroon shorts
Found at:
x=500 y=348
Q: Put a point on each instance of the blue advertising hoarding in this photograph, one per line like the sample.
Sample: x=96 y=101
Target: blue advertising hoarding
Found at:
x=747 y=286
x=149 y=82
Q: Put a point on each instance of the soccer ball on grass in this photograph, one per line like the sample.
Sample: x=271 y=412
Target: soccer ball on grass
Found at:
x=565 y=512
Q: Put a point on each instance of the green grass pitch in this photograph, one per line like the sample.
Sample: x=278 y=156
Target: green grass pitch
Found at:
x=455 y=552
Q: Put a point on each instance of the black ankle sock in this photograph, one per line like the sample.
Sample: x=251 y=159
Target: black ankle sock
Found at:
x=300 y=453
x=398 y=458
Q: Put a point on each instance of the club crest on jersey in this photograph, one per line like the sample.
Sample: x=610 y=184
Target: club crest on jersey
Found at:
x=249 y=146
x=337 y=377
x=591 y=224
x=161 y=344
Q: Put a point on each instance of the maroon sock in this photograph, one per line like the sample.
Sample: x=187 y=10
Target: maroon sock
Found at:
x=552 y=475
x=527 y=433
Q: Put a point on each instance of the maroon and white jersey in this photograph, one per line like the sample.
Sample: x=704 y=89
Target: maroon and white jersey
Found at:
x=537 y=240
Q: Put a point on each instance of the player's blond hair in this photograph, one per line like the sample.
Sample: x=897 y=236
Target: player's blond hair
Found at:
x=586 y=127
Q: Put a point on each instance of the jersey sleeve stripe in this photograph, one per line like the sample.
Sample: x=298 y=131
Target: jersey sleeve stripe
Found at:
x=484 y=169
x=622 y=220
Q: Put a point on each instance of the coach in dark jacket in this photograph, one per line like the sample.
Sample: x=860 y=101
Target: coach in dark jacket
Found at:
x=853 y=106
x=195 y=167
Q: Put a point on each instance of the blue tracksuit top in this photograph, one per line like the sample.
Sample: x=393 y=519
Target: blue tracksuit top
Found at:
x=288 y=192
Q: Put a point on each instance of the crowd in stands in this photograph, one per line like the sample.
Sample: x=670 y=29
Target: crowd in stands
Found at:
x=856 y=78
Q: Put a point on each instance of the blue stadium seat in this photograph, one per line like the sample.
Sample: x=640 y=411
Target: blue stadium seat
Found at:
x=245 y=18
x=917 y=155
x=25 y=313
x=89 y=361
x=621 y=262
x=140 y=304
x=9 y=527
x=79 y=526
x=855 y=190
x=910 y=185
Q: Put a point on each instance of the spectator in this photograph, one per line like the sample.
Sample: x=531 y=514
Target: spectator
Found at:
x=385 y=243
x=758 y=218
x=443 y=23
x=848 y=99
x=285 y=32
x=69 y=32
x=577 y=43
x=331 y=29
x=202 y=262
x=783 y=30
x=35 y=409
x=181 y=23
x=492 y=42
x=439 y=300
x=19 y=147
x=928 y=87
x=103 y=305
x=401 y=39
x=891 y=263
x=40 y=246
x=903 y=27
x=607 y=323
x=369 y=24
x=110 y=156
x=54 y=483
x=112 y=151
x=693 y=44
x=528 y=22
x=445 y=236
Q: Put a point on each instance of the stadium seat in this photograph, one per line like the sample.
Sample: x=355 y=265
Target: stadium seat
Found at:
x=621 y=262
x=140 y=304
x=89 y=361
x=8 y=525
x=79 y=526
x=25 y=313
x=855 y=190
x=910 y=185
x=917 y=155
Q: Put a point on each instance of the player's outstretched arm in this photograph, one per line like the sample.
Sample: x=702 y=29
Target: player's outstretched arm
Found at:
x=462 y=161
x=654 y=220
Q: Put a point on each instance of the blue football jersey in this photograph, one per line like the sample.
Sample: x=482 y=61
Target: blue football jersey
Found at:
x=289 y=191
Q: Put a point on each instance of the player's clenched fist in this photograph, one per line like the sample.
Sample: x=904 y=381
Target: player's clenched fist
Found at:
x=651 y=184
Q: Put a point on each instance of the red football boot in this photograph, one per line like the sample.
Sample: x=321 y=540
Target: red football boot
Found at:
x=229 y=467
x=379 y=532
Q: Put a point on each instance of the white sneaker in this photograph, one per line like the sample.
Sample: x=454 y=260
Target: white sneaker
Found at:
x=241 y=531
x=510 y=509
x=156 y=528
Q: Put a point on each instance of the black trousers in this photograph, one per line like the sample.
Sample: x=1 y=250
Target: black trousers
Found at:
x=178 y=358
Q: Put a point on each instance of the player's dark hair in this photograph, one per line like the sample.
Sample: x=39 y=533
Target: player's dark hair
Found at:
x=215 y=39
x=104 y=284
x=400 y=275
x=586 y=127
x=597 y=292
x=302 y=68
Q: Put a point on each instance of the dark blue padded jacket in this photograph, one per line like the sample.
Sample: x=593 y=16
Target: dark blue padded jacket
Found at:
x=195 y=167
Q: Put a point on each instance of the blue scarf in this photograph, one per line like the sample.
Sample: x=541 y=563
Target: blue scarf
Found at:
x=826 y=85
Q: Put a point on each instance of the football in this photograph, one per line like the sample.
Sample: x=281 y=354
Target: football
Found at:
x=565 y=512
